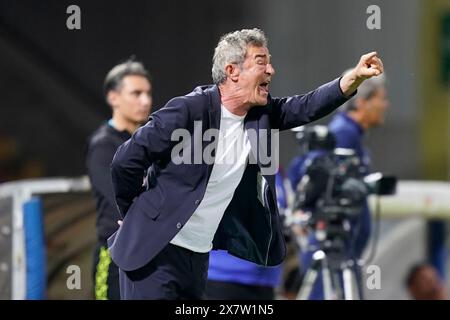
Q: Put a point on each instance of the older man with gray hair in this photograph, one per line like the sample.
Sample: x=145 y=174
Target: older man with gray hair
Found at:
x=195 y=205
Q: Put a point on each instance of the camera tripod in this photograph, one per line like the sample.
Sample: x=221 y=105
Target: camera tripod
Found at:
x=339 y=282
x=333 y=264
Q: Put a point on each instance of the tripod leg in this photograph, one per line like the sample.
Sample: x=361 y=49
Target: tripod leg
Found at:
x=318 y=262
x=347 y=275
x=359 y=279
x=327 y=283
x=336 y=277
x=352 y=281
x=308 y=282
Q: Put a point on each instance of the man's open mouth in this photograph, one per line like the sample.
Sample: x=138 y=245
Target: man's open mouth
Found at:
x=264 y=86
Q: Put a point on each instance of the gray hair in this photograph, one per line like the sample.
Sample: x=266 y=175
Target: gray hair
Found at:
x=113 y=80
x=232 y=48
x=365 y=91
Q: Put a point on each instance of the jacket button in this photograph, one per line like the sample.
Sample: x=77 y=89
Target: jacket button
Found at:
x=197 y=201
x=179 y=225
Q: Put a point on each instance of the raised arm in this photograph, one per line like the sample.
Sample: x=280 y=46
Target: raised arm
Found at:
x=290 y=112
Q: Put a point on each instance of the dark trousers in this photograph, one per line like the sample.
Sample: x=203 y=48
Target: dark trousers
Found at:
x=220 y=290
x=175 y=273
x=105 y=275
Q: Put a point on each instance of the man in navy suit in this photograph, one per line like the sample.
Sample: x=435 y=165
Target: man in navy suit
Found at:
x=216 y=187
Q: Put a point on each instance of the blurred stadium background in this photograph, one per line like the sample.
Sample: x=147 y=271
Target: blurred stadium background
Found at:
x=51 y=100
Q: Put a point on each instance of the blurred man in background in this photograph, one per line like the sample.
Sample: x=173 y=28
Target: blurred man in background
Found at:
x=423 y=283
x=128 y=91
x=364 y=111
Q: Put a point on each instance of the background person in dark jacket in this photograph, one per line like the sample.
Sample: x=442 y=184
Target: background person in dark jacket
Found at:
x=128 y=91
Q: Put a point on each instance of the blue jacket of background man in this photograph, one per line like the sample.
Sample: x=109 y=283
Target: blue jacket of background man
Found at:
x=350 y=134
x=153 y=216
x=227 y=268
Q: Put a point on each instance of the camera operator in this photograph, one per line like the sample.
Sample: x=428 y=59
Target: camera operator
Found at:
x=364 y=111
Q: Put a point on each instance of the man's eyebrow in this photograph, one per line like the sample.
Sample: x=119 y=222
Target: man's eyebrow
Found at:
x=139 y=91
x=263 y=56
x=260 y=56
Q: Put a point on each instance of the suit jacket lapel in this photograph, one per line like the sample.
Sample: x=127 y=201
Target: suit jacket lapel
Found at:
x=214 y=113
x=251 y=125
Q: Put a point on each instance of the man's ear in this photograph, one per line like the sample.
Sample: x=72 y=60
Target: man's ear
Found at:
x=111 y=98
x=232 y=71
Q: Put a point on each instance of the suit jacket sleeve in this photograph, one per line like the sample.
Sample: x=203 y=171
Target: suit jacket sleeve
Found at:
x=148 y=144
x=298 y=110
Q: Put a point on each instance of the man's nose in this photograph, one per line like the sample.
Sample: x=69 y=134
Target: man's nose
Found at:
x=145 y=99
x=270 y=69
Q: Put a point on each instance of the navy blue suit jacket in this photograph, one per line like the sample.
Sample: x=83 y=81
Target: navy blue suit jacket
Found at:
x=153 y=216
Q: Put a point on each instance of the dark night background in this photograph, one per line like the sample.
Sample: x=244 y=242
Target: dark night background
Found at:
x=51 y=77
x=54 y=76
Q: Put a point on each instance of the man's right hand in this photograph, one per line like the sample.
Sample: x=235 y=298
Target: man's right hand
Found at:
x=369 y=65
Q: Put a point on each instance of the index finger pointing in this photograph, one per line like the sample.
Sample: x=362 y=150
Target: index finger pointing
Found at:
x=369 y=56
